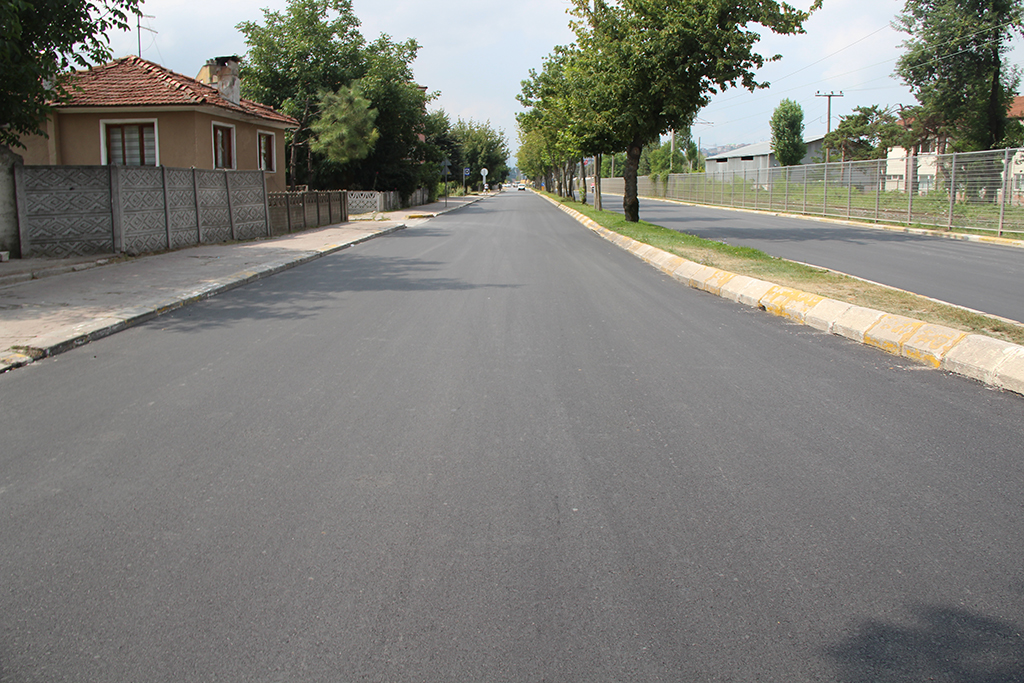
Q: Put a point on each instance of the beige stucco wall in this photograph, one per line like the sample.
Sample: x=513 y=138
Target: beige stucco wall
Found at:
x=184 y=138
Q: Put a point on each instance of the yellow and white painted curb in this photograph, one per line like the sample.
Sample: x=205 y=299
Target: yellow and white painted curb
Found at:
x=992 y=361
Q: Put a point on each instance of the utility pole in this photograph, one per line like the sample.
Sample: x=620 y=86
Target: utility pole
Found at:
x=828 y=124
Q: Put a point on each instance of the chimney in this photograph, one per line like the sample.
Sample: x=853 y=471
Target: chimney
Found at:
x=222 y=73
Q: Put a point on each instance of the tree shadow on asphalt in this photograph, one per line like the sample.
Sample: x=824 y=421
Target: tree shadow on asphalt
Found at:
x=946 y=644
x=303 y=292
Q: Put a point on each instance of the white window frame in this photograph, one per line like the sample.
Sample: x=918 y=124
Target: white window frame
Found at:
x=273 y=151
x=213 y=145
x=104 y=161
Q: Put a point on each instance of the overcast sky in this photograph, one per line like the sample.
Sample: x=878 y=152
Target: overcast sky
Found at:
x=476 y=54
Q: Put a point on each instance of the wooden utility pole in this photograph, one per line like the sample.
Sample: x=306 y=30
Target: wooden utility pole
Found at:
x=828 y=116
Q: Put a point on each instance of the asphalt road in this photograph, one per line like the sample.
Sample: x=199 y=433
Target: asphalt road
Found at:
x=495 y=447
x=980 y=276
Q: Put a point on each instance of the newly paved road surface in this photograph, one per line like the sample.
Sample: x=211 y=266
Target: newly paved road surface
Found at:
x=984 y=277
x=497 y=448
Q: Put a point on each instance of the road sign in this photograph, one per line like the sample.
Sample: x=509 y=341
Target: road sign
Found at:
x=465 y=172
x=483 y=172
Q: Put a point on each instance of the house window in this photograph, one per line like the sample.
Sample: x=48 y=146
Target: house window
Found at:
x=131 y=144
x=223 y=146
x=265 y=146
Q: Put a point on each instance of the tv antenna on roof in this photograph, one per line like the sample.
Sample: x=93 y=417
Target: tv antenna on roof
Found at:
x=139 y=28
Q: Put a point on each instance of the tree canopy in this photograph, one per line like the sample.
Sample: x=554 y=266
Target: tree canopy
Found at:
x=787 y=125
x=314 y=47
x=867 y=133
x=649 y=66
x=39 y=41
x=955 y=65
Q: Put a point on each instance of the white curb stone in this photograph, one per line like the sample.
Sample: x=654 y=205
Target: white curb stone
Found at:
x=979 y=357
x=825 y=313
x=855 y=322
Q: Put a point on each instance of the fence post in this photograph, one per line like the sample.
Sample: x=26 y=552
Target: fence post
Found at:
x=117 y=229
x=1002 y=200
x=785 y=202
x=231 y=213
x=952 y=191
x=849 y=187
x=167 y=205
x=879 y=185
x=804 y=208
x=266 y=207
x=908 y=187
x=21 y=212
x=199 y=215
x=824 y=197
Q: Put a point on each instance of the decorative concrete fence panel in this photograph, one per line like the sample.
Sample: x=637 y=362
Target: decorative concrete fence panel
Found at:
x=64 y=210
x=214 y=212
x=247 y=201
x=361 y=201
x=77 y=210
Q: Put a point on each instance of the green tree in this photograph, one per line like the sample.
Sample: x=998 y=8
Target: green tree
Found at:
x=313 y=46
x=39 y=41
x=549 y=97
x=344 y=131
x=955 y=65
x=399 y=155
x=662 y=61
x=787 y=125
x=482 y=146
x=867 y=133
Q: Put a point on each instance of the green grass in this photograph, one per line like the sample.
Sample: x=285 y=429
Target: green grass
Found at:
x=755 y=263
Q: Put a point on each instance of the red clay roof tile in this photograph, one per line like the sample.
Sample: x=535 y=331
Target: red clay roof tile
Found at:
x=132 y=82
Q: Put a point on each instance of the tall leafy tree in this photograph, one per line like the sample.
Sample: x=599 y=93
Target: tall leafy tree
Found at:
x=396 y=160
x=955 y=65
x=297 y=54
x=39 y=41
x=787 y=124
x=663 y=59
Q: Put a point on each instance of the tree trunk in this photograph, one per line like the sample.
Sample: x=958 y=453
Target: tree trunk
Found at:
x=630 y=202
x=597 y=182
x=583 y=178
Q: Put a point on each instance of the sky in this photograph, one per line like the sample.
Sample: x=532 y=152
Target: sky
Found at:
x=475 y=56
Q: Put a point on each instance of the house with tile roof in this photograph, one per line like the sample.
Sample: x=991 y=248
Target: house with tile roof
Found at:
x=134 y=112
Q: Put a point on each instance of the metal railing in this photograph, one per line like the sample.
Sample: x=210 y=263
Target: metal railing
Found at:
x=981 y=191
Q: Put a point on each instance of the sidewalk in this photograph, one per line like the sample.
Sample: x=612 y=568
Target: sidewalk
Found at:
x=48 y=306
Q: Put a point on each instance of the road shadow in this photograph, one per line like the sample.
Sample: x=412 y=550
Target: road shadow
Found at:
x=946 y=644
x=303 y=292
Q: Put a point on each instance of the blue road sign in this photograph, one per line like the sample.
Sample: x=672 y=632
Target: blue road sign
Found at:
x=465 y=171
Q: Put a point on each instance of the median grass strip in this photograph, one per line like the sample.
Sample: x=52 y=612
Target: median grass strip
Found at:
x=757 y=264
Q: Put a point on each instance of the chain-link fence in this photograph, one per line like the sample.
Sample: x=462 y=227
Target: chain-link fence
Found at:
x=976 y=191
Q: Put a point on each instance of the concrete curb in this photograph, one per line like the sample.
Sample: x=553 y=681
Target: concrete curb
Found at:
x=68 y=338
x=997 y=363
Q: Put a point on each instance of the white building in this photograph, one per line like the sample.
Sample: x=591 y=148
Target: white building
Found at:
x=756 y=157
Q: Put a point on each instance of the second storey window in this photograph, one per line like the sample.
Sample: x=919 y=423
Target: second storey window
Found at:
x=131 y=144
x=223 y=147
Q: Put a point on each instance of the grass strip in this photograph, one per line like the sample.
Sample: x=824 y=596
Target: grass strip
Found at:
x=757 y=264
